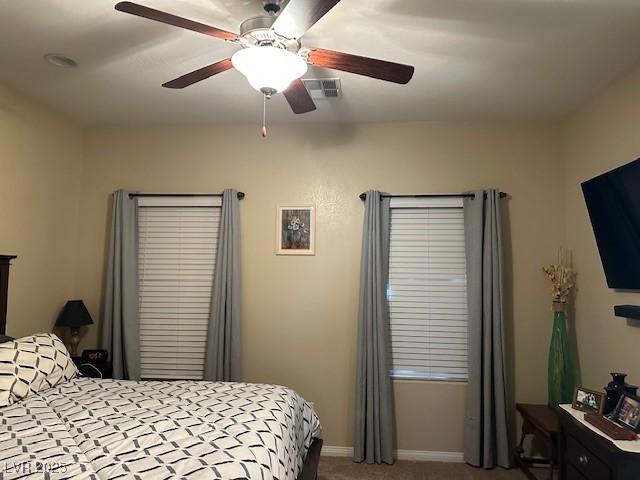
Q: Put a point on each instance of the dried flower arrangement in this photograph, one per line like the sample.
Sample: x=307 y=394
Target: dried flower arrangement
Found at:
x=562 y=277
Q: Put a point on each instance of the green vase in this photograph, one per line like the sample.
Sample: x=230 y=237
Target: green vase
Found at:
x=562 y=375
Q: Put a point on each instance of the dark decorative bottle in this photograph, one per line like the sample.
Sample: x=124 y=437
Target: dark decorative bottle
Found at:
x=614 y=391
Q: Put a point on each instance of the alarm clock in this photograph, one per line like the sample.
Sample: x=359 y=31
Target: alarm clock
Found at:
x=95 y=355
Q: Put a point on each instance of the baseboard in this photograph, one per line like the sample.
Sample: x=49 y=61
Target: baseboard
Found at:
x=429 y=456
x=416 y=455
x=332 y=451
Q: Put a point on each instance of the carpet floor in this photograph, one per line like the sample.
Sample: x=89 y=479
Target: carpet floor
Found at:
x=335 y=468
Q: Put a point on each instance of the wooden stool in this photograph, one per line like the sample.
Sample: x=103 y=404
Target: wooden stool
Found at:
x=541 y=421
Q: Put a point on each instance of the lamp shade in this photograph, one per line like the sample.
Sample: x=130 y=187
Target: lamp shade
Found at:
x=269 y=67
x=74 y=314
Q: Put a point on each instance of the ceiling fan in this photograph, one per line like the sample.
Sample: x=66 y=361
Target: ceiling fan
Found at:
x=272 y=58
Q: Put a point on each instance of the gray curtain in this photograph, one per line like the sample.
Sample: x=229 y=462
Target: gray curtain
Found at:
x=373 y=436
x=120 y=325
x=223 y=354
x=487 y=411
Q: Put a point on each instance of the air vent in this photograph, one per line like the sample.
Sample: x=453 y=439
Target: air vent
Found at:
x=323 y=87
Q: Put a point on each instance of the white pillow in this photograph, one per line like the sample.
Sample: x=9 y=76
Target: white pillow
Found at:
x=32 y=364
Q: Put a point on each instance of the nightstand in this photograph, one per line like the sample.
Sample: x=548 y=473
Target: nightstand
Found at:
x=93 y=369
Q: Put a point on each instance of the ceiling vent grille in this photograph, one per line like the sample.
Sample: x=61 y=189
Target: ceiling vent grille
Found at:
x=320 y=88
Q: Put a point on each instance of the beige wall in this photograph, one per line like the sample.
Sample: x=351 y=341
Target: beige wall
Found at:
x=601 y=136
x=40 y=159
x=60 y=236
x=299 y=313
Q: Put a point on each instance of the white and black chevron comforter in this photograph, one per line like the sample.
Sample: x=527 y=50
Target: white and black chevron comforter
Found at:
x=99 y=429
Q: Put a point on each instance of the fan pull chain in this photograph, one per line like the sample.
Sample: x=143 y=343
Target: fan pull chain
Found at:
x=264 y=116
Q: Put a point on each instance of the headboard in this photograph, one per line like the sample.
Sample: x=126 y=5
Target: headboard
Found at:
x=5 y=263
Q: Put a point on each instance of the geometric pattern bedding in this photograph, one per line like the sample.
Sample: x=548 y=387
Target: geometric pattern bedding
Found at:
x=33 y=364
x=103 y=429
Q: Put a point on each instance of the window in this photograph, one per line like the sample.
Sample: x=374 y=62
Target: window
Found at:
x=427 y=289
x=177 y=239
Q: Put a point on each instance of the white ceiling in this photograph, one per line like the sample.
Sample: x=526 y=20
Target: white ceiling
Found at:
x=474 y=58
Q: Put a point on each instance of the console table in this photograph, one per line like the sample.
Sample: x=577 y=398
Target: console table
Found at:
x=586 y=454
x=542 y=422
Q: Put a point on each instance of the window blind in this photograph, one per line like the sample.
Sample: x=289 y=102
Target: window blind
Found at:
x=427 y=289
x=177 y=240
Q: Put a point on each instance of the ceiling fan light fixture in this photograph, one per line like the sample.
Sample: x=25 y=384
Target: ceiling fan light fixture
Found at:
x=269 y=68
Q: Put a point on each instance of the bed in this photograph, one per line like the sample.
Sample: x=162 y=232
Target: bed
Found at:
x=98 y=429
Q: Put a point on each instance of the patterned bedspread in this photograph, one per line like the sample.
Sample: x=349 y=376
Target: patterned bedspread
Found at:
x=99 y=429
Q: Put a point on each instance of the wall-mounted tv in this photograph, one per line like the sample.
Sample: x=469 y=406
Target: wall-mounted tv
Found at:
x=613 y=201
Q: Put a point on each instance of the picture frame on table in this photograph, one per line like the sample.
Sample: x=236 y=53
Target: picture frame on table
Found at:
x=296 y=230
x=588 y=401
x=627 y=412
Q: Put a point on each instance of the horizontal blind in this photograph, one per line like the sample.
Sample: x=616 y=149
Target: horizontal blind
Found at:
x=176 y=261
x=428 y=293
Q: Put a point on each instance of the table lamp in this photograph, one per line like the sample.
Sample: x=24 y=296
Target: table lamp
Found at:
x=74 y=315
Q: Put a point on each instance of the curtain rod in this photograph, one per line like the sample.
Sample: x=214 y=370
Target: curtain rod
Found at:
x=131 y=195
x=363 y=195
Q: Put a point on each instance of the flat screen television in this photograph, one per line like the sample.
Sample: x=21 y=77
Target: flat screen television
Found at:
x=613 y=202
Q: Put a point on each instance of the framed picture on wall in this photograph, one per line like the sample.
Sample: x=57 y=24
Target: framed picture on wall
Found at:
x=296 y=230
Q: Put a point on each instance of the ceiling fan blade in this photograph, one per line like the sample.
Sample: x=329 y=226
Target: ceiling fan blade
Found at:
x=298 y=97
x=169 y=19
x=370 y=67
x=300 y=15
x=200 y=74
